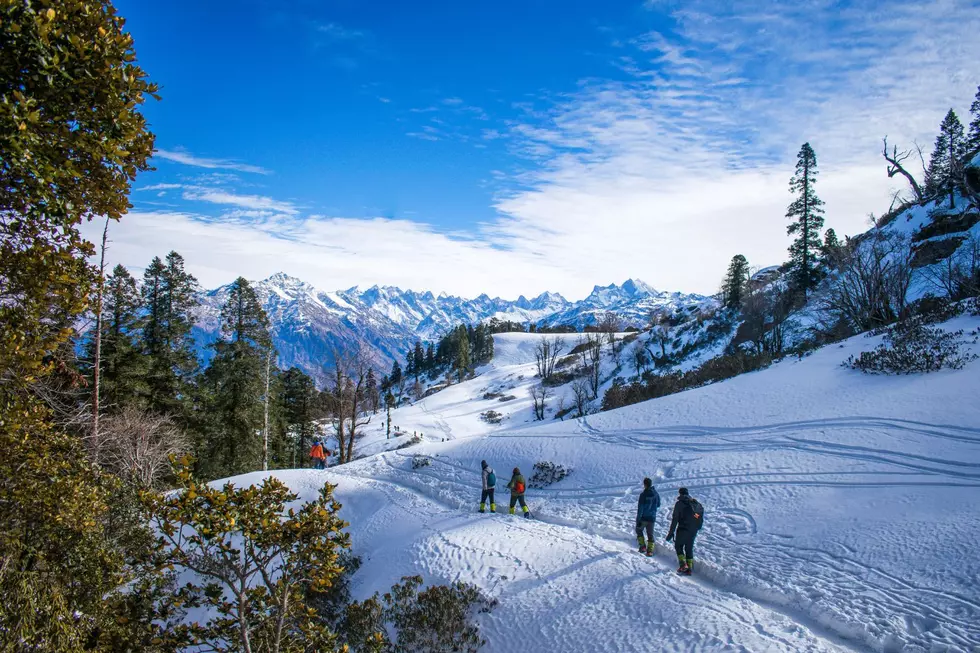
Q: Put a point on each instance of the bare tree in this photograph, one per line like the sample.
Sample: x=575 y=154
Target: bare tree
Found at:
x=641 y=358
x=872 y=286
x=360 y=414
x=764 y=315
x=958 y=274
x=609 y=325
x=560 y=408
x=594 y=365
x=546 y=354
x=138 y=445
x=582 y=396
x=895 y=166
x=539 y=395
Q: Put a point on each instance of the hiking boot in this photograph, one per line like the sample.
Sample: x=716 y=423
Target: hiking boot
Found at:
x=649 y=552
x=643 y=548
x=686 y=571
x=527 y=515
x=683 y=569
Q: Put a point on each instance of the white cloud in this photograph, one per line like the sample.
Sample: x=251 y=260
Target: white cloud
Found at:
x=258 y=202
x=339 y=32
x=186 y=158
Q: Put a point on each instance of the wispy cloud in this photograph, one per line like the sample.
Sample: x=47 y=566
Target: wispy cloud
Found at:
x=339 y=32
x=257 y=202
x=186 y=158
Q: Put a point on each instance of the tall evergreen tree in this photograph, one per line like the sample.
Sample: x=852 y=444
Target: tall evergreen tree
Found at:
x=410 y=369
x=807 y=219
x=297 y=399
x=462 y=361
x=371 y=389
x=430 y=358
x=123 y=365
x=943 y=175
x=236 y=385
x=395 y=378
x=418 y=358
x=169 y=297
x=831 y=249
x=973 y=138
x=733 y=288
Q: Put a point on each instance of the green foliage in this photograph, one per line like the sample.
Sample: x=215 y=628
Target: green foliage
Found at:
x=169 y=297
x=235 y=386
x=733 y=288
x=258 y=563
x=434 y=620
x=943 y=175
x=911 y=347
x=72 y=139
x=298 y=400
x=973 y=137
x=806 y=215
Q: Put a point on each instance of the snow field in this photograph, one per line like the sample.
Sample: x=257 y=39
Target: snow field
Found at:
x=842 y=511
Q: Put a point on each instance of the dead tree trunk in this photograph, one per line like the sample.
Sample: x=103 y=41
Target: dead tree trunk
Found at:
x=895 y=167
x=97 y=355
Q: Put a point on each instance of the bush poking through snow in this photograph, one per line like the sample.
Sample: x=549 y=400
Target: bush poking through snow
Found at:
x=491 y=417
x=546 y=473
x=911 y=348
x=411 y=442
x=419 y=461
x=439 y=619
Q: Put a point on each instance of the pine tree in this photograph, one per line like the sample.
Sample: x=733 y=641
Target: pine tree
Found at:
x=943 y=175
x=733 y=288
x=123 y=366
x=297 y=399
x=169 y=297
x=418 y=358
x=807 y=219
x=462 y=362
x=371 y=388
x=395 y=378
x=236 y=384
x=430 y=358
x=831 y=249
x=973 y=138
x=410 y=369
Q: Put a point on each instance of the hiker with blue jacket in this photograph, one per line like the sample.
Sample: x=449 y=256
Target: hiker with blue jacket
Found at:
x=489 y=483
x=646 y=514
x=517 y=488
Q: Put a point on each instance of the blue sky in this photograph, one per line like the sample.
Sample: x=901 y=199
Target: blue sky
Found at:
x=516 y=147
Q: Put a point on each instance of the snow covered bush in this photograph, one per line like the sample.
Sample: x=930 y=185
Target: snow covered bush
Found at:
x=910 y=347
x=411 y=442
x=419 y=461
x=546 y=473
x=491 y=417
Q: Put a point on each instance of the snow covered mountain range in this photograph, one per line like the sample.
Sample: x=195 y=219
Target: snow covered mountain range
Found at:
x=309 y=324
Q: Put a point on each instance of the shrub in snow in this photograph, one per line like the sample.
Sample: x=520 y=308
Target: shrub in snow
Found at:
x=910 y=347
x=490 y=395
x=411 y=442
x=491 y=417
x=419 y=461
x=435 y=620
x=546 y=473
x=507 y=398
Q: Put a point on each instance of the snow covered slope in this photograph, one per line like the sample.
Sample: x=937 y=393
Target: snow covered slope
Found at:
x=842 y=512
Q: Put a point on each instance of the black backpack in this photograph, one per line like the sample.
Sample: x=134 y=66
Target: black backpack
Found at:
x=698 y=512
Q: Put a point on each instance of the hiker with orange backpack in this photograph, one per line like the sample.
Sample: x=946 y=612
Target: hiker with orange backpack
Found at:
x=517 y=488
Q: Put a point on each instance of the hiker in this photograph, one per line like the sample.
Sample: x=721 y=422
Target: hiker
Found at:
x=489 y=483
x=517 y=487
x=316 y=453
x=646 y=514
x=684 y=526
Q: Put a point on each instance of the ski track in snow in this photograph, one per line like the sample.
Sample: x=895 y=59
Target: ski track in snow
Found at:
x=845 y=523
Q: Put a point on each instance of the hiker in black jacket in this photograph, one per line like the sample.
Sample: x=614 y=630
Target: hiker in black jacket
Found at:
x=684 y=525
x=646 y=514
x=489 y=485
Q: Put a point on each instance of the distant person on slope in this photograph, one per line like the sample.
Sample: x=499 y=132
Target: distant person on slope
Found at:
x=517 y=487
x=316 y=453
x=489 y=483
x=646 y=514
x=686 y=521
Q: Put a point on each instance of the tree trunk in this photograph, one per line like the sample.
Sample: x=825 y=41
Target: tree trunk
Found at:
x=97 y=363
x=265 y=430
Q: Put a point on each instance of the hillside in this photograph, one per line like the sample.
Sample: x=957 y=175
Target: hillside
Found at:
x=829 y=497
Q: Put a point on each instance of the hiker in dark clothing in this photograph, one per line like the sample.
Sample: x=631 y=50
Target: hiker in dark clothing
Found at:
x=517 y=487
x=489 y=483
x=684 y=525
x=646 y=514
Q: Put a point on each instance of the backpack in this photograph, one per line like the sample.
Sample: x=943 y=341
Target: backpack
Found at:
x=491 y=479
x=698 y=511
x=519 y=487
